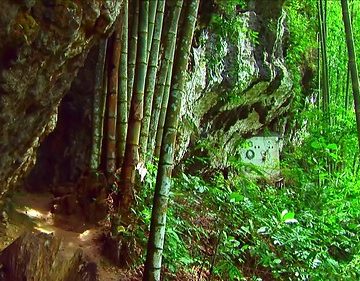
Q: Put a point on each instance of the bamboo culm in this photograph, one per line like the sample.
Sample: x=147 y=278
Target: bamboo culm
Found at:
x=162 y=116
x=155 y=247
x=132 y=53
x=122 y=120
x=99 y=105
x=151 y=78
x=352 y=63
x=325 y=68
x=136 y=114
x=164 y=73
x=112 y=100
x=153 y=7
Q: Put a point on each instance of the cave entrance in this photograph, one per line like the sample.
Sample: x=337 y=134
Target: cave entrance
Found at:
x=55 y=199
x=64 y=155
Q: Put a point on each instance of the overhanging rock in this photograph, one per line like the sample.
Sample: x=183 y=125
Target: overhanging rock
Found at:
x=43 y=43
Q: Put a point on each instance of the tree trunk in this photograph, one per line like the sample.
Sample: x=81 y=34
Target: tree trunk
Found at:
x=352 y=63
x=162 y=116
x=99 y=104
x=122 y=120
x=164 y=73
x=151 y=25
x=163 y=182
x=151 y=78
x=112 y=100
x=318 y=105
x=325 y=68
x=132 y=51
x=136 y=114
x=347 y=86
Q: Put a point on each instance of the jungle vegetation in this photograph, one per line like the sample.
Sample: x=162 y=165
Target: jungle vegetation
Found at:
x=233 y=227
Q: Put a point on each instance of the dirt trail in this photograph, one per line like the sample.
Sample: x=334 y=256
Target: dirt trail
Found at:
x=32 y=211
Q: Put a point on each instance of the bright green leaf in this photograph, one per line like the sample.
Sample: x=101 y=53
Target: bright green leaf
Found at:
x=316 y=145
x=332 y=146
x=236 y=197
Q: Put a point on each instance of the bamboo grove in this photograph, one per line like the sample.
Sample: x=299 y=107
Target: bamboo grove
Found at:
x=140 y=77
x=338 y=77
x=335 y=77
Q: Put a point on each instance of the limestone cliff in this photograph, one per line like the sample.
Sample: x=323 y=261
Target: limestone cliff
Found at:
x=239 y=85
x=236 y=86
x=43 y=43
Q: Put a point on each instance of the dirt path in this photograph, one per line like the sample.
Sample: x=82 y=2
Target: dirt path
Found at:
x=32 y=211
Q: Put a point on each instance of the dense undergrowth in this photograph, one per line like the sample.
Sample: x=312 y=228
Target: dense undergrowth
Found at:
x=241 y=229
x=238 y=228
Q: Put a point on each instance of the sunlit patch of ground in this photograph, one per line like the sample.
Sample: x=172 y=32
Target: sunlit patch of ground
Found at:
x=32 y=211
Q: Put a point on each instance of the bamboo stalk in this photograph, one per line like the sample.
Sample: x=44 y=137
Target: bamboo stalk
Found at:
x=347 y=87
x=151 y=78
x=163 y=76
x=136 y=114
x=112 y=100
x=325 y=68
x=162 y=117
x=99 y=104
x=122 y=121
x=132 y=54
x=319 y=72
x=152 y=20
x=352 y=63
x=155 y=247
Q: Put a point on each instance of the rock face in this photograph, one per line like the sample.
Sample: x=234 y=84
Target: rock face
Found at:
x=65 y=153
x=43 y=43
x=37 y=256
x=238 y=86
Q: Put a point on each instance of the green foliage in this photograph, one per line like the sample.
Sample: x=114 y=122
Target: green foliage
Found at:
x=299 y=232
x=248 y=229
x=226 y=22
x=230 y=6
x=302 y=17
x=243 y=228
x=302 y=25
